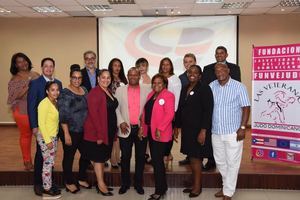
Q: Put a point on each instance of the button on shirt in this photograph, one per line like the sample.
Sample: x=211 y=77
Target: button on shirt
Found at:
x=134 y=104
x=228 y=102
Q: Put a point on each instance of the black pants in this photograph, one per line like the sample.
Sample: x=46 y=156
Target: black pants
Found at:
x=158 y=150
x=38 y=166
x=68 y=158
x=126 y=150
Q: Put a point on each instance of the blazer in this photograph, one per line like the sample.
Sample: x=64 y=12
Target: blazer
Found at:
x=209 y=75
x=36 y=93
x=95 y=125
x=162 y=115
x=86 y=80
x=122 y=110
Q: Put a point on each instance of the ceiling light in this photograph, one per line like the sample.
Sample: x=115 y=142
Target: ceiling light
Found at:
x=172 y=11
x=121 y=1
x=178 y=12
x=97 y=8
x=2 y=10
x=236 y=5
x=156 y=12
x=46 y=9
x=289 y=3
x=209 y=1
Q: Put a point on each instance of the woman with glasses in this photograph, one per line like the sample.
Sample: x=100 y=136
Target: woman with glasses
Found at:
x=72 y=104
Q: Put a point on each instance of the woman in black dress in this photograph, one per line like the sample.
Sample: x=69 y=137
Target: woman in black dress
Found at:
x=100 y=128
x=72 y=106
x=193 y=117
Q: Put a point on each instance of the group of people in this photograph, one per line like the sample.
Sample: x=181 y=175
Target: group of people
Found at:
x=102 y=113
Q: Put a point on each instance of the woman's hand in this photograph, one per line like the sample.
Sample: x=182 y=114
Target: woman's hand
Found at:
x=201 y=136
x=99 y=142
x=176 y=134
x=50 y=145
x=68 y=140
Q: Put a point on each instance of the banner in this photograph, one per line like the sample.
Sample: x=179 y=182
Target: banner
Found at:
x=154 y=38
x=276 y=103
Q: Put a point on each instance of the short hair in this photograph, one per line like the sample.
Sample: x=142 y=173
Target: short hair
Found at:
x=13 y=65
x=133 y=69
x=171 y=64
x=141 y=61
x=121 y=74
x=74 y=68
x=222 y=48
x=46 y=59
x=190 y=55
x=89 y=52
x=162 y=77
x=48 y=85
x=222 y=64
x=198 y=68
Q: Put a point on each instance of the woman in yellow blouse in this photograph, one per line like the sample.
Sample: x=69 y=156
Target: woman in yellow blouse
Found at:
x=48 y=119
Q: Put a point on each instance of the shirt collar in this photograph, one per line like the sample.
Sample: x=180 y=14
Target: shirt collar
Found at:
x=226 y=84
x=47 y=79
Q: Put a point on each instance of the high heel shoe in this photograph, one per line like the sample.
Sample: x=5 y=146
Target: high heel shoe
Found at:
x=83 y=186
x=156 y=196
x=187 y=190
x=73 y=192
x=103 y=193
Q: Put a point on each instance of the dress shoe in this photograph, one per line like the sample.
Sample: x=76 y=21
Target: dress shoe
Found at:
x=115 y=166
x=219 y=194
x=38 y=190
x=56 y=189
x=226 y=198
x=187 y=190
x=156 y=196
x=139 y=190
x=103 y=193
x=193 y=195
x=123 y=189
x=186 y=161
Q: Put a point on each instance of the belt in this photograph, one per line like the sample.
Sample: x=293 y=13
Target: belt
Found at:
x=133 y=126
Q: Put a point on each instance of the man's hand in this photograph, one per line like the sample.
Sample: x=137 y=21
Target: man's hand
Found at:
x=141 y=133
x=157 y=134
x=124 y=128
x=240 y=135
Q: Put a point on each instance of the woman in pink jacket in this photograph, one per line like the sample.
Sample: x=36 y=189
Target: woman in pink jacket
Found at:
x=157 y=125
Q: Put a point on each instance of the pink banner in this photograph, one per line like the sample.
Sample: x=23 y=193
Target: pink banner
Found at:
x=276 y=103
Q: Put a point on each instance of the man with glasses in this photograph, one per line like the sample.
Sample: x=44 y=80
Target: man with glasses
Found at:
x=90 y=71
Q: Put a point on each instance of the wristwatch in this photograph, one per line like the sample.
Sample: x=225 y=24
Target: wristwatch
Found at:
x=243 y=127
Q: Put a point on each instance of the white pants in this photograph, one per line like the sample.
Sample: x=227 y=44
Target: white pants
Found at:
x=228 y=155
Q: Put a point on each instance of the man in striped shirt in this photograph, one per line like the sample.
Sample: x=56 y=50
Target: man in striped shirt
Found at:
x=230 y=117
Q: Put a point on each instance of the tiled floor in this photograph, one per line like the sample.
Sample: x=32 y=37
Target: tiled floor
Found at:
x=26 y=193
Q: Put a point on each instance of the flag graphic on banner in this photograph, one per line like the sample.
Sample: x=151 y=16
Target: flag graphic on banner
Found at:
x=276 y=103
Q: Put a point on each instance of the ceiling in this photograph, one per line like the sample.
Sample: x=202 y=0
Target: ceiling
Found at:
x=76 y=8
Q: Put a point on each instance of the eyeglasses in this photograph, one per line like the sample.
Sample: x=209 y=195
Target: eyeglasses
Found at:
x=92 y=58
x=74 y=78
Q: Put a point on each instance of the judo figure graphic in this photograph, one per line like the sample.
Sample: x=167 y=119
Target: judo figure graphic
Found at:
x=276 y=107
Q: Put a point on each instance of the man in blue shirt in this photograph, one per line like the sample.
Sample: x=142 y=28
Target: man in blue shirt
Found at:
x=230 y=117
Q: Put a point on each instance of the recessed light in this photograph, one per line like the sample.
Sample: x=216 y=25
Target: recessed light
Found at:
x=209 y=1
x=121 y=1
x=289 y=3
x=282 y=10
x=179 y=12
x=97 y=8
x=236 y=5
x=46 y=9
x=2 y=10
